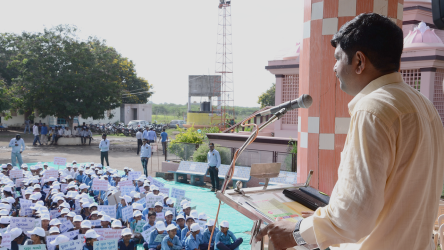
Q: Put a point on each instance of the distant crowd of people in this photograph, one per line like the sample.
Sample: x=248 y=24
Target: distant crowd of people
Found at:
x=46 y=135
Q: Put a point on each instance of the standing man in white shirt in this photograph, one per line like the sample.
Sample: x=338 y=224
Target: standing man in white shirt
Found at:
x=18 y=146
x=213 y=158
x=139 y=140
x=145 y=154
x=104 y=148
x=35 y=131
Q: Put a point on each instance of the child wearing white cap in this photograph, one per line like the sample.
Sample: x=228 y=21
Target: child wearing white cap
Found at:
x=126 y=243
x=193 y=240
x=225 y=236
x=169 y=218
x=124 y=202
x=37 y=236
x=171 y=242
x=207 y=234
x=180 y=222
x=156 y=237
x=187 y=230
x=59 y=240
x=90 y=237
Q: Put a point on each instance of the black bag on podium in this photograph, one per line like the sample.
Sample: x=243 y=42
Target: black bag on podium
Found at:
x=308 y=196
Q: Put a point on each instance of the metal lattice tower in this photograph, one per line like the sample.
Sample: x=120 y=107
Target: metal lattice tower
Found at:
x=223 y=106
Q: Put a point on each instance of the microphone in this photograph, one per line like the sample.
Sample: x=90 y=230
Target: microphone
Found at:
x=304 y=101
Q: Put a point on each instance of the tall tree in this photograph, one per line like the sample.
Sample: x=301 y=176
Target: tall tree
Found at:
x=267 y=98
x=62 y=76
x=135 y=89
x=5 y=97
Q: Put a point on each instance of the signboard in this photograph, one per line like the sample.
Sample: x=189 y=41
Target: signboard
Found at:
x=160 y=216
x=66 y=225
x=19 y=183
x=95 y=223
x=165 y=190
x=110 y=210
x=59 y=161
x=99 y=184
x=13 y=174
x=146 y=233
x=77 y=207
x=101 y=231
x=51 y=173
x=139 y=226
x=133 y=175
x=72 y=234
x=156 y=183
x=105 y=245
x=114 y=199
x=152 y=199
x=6 y=240
x=126 y=190
x=34 y=247
x=54 y=214
x=72 y=245
x=127 y=213
x=25 y=207
x=126 y=183
x=24 y=223
x=141 y=201
x=112 y=234
x=63 y=187
x=177 y=193
x=45 y=190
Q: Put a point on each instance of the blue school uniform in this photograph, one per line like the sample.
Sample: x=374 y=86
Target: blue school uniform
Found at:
x=147 y=226
x=80 y=177
x=179 y=231
x=192 y=242
x=207 y=234
x=121 y=245
x=119 y=211
x=153 y=235
x=226 y=239
x=177 y=245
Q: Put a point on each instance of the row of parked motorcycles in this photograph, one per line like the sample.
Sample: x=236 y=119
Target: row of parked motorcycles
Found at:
x=121 y=128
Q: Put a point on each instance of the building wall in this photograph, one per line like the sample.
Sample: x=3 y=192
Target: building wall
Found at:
x=144 y=112
x=115 y=118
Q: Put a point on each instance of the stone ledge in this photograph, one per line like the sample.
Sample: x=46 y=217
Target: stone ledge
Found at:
x=70 y=141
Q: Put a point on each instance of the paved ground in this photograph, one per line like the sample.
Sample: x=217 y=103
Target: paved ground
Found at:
x=122 y=152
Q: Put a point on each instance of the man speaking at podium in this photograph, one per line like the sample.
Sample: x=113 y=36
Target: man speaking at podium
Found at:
x=392 y=167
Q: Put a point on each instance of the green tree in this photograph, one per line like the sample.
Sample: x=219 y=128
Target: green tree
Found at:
x=135 y=89
x=5 y=97
x=63 y=76
x=267 y=98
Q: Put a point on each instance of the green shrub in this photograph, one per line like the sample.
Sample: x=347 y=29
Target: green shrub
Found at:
x=200 y=155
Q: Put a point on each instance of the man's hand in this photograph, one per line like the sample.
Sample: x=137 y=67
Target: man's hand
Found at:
x=307 y=214
x=217 y=169
x=170 y=243
x=159 y=246
x=188 y=233
x=21 y=152
x=280 y=234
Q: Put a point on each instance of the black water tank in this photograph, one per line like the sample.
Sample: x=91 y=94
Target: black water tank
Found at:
x=205 y=106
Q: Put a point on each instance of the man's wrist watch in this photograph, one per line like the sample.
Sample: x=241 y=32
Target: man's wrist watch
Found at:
x=297 y=235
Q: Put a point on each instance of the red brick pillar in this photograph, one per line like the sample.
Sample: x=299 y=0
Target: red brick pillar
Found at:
x=323 y=127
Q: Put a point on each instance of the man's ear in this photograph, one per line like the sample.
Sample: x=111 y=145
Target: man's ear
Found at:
x=360 y=61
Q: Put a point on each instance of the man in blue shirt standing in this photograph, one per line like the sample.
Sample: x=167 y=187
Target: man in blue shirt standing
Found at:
x=164 y=137
x=18 y=146
x=44 y=132
x=152 y=137
x=145 y=154
x=213 y=157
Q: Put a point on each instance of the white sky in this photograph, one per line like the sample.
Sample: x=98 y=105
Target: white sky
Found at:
x=171 y=39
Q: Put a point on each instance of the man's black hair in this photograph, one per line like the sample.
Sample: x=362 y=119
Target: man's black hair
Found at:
x=210 y=144
x=379 y=38
x=152 y=213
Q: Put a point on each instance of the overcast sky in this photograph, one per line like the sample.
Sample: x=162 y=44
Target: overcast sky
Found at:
x=169 y=40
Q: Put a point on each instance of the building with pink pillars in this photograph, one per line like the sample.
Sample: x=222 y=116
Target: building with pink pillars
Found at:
x=322 y=129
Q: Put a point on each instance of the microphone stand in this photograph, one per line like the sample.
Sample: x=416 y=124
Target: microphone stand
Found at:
x=250 y=140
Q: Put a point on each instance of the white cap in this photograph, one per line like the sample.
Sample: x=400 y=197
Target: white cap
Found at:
x=38 y=231
x=71 y=214
x=180 y=216
x=138 y=206
x=210 y=223
x=194 y=213
x=15 y=232
x=83 y=185
x=127 y=198
x=126 y=231
x=225 y=224
x=54 y=230
x=194 y=227
x=46 y=217
x=169 y=201
x=168 y=213
x=137 y=213
x=202 y=216
x=106 y=218
x=59 y=240
x=78 y=218
x=190 y=217
x=91 y=234
x=85 y=224
x=183 y=202
x=54 y=222
x=158 y=204
x=186 y=205
x=65 y=211
x=160 y=226
x=153 y=187
x=116 y=223
x=171 y=227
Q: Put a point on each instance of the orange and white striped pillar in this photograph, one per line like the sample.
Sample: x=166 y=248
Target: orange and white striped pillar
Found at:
x=322 y=129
